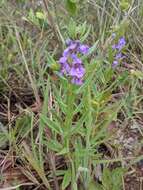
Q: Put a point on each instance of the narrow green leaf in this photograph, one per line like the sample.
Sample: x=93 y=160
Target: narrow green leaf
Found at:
x=51 y=124
x=67 y=179
x=84 y=37
x=63 y=151
x=53 y=145
x=72 y=29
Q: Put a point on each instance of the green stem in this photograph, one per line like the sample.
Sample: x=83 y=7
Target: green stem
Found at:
x=69 y=113
x=89 y=133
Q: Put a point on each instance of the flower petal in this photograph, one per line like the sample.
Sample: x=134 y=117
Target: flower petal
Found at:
x=77 y=81
x=83 y=49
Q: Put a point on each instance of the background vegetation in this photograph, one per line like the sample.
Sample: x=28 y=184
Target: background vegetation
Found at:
x=54 y=135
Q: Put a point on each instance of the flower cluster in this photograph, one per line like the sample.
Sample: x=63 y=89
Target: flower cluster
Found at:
x=118 y=47
x=70 y=63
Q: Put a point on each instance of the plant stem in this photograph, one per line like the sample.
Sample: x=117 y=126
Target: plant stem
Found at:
x=69 y=113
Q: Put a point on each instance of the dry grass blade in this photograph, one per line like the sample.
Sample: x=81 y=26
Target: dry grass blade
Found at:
x=27 y=69
x=34 y=164
x=17 y=186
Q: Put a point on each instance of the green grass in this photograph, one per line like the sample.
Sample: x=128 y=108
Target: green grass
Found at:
x=55 y=134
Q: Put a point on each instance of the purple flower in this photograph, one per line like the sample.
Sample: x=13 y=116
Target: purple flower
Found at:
x=122 y=41
x=114 y=46
x=118 y=56
x=69 y=49
x=75 y=59
x=71 y=64
x=65 y=69
x=73 y=46
x=77 y=71
x=68 y=42
x=115 y=63
x=120 y=45
x=77 y=81
x=66 y=52
x=63 y=60
x=83 y=49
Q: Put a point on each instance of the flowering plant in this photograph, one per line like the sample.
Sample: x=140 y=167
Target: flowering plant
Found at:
x=71 y=64
x=118 y=48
